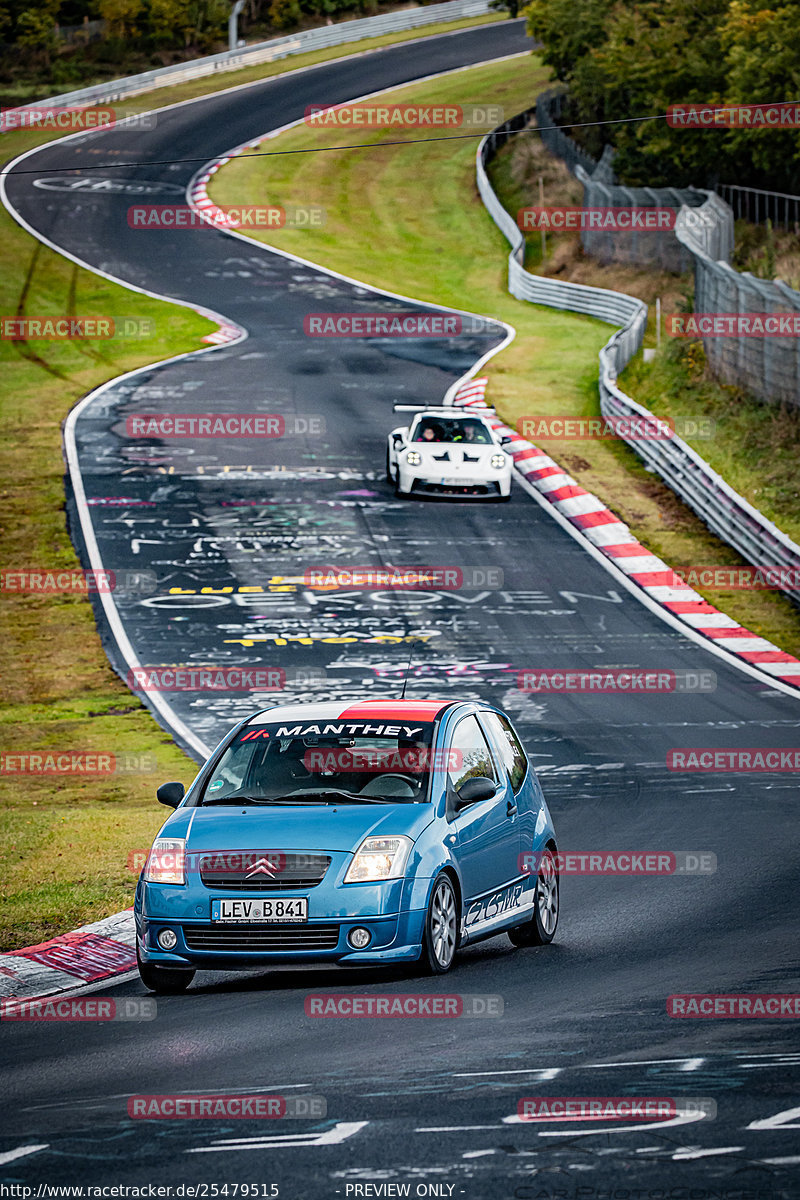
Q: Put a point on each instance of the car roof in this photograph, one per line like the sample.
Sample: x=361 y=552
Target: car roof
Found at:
x=359 y=710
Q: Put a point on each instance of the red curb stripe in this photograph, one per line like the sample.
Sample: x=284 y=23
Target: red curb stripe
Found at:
x=628 y=550
x=568 y=492
x=601 y=517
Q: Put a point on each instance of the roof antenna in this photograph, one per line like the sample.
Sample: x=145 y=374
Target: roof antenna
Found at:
x=408 y=668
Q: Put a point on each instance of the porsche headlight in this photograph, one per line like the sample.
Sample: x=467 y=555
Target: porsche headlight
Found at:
x=413 y=458
x=497 y=461
x=379 y=858
x=166 y=862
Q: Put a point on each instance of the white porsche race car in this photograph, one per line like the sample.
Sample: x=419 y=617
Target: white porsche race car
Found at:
x=447 y=452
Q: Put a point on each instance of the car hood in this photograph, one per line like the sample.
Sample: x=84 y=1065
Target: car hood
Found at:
x=318 y=827
x=455 y=450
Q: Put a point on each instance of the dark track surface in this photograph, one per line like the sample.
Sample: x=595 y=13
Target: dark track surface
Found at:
x=233 y=517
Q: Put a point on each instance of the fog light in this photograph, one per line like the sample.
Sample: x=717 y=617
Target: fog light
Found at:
x=167 y=939
x=359 y=938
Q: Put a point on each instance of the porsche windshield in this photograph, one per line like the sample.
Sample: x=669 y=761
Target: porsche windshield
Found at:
x=325 y=763
x=445 y=429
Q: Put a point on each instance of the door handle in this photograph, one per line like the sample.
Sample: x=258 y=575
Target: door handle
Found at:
x=511 y=809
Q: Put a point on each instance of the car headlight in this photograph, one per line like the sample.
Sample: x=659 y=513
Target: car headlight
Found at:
x=166 y=862
x=497 y=461
x=379 y=858
x=413 y=458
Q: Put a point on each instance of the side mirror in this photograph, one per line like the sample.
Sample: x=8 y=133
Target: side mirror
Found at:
x=473 y=790
x=171 y=794
x=398 y=439
x=505 y=439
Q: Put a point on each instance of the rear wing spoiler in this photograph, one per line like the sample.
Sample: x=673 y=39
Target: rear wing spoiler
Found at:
x=439 y=409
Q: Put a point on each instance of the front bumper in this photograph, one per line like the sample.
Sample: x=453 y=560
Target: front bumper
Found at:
x=393 y=913
x=423 y=482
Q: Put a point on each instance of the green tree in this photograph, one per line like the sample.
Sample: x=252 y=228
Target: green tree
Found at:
x=762 y=59
x=285 y=14
x=121 y=17
x=35 y=30
x=568 y=29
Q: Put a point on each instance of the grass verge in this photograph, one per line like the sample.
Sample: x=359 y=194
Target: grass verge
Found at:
x=408 y=218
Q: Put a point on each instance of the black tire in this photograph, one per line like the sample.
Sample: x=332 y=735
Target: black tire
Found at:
x=440 y=940
x=389 y=474
x=163 y=980
x=541 y=928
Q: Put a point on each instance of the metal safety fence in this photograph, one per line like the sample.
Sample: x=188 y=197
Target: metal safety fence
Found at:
x=757 y=206
x=723 y=510
x=766 y=366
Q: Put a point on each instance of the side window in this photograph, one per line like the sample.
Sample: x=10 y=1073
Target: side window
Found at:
x=514 y=760
x=469 y=754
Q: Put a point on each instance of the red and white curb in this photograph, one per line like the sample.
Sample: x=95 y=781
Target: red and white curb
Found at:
x=103 y=950
x=612 y=537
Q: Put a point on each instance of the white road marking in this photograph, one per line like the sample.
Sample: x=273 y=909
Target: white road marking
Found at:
x=781 y=1120
x=791 y=1161
x=330 y=1137
x=687 y=1152
x=643 y=1062
x=20 y=1152
x=477 y=1153
x=543 y=1073
x=453 y=1128
x=680 y=1119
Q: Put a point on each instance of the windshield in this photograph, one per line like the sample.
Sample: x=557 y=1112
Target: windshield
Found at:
x=327 y=763
x=445 y=429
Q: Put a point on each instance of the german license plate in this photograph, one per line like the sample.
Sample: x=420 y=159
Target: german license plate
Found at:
x=278 y=911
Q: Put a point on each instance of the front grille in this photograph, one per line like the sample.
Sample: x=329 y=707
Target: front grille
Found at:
x=456 y=489
x=228 y=871
x=248 y=938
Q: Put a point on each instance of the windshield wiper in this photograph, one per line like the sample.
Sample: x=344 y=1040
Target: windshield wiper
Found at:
x=239 y=800
x=337 y=793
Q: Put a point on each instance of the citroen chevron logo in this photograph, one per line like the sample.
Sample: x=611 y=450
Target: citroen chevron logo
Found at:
x=264 y=866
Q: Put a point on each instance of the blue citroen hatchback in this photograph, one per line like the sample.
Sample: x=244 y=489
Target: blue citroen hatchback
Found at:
x=377 y=832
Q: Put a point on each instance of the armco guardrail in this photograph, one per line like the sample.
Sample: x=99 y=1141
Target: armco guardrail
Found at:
x=769 y=367
x=728 y=514
x=261 y=52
